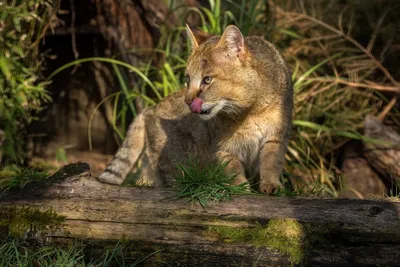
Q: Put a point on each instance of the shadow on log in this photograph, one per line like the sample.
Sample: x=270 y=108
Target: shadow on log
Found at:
x=246 y=231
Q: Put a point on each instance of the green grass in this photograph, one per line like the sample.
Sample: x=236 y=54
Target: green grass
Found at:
x=337 y=84
x=14 y=177
x=207 y=182
x=14 y=253
x=337 y=80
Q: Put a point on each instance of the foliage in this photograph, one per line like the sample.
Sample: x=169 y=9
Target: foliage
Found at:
x=205 y=182
x=22 y=24
x=350 y=82
x=15 y=253
x=339 y=73
x=14 y=177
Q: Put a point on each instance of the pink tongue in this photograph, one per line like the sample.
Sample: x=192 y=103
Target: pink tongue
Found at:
x=195 y=106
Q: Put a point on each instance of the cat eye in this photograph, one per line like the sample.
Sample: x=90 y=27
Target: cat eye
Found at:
x=187 y=79
x=207 y=80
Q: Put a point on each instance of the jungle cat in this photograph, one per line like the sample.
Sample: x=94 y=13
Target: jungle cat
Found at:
x=236 y=107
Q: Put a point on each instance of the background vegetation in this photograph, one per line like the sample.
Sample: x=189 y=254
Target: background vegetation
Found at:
x=343 y=55
x=22 y=90
x=342 y=71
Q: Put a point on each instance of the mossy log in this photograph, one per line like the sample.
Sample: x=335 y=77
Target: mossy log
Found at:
x=246 y=231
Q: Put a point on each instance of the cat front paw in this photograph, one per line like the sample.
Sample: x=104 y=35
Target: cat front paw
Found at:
x=270 y=187
x=241 y=179
x=109 y=178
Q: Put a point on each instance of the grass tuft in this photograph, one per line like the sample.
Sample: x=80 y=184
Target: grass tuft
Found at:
x=14 y=253
x=14 y=177
x=207 y=182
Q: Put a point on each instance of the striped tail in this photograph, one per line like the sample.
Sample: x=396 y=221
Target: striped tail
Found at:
x=127 y=154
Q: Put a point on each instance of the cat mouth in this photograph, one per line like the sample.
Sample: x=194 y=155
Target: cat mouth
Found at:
x=210 y=110
x=206 y=110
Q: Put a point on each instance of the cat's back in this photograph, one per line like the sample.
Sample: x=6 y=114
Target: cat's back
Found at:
x=264 y=51
x=171 y=107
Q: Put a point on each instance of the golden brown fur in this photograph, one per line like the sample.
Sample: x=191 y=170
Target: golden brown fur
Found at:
x=240 y=93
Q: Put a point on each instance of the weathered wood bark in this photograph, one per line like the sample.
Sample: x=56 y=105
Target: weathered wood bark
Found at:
x=332 y=231
x=384 y=157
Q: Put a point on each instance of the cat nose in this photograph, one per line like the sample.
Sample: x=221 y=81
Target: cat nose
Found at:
x=188 y=100
x=191 y=94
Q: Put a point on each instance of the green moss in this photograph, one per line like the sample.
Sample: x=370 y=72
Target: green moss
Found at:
x=285 y=235
x=19 y=220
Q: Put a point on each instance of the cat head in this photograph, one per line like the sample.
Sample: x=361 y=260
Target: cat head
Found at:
x=218 y=73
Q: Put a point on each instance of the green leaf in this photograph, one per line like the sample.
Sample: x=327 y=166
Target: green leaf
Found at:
x=18 y=50
x=4 y=67
x=300 y=81
x=17 y=23
x=113 y=61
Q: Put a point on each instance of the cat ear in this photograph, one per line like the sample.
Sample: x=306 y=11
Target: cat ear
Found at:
x=196 y=37
x=233 y=40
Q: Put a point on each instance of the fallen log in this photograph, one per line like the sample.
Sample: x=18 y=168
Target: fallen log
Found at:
x=246 y=231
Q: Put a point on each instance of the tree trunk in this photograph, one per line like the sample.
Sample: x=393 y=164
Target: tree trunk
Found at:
x=246 y=231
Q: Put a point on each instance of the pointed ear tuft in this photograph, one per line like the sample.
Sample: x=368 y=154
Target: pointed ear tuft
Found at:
x=196 y=36
x=233 y=40
x=191 y=37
